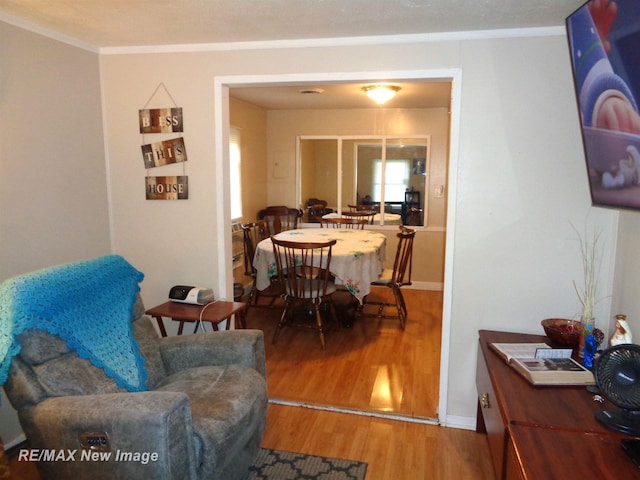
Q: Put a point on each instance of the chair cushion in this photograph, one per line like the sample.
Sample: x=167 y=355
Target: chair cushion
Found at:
x=384 y=278
x=72 y=375
x=38 y=346
x=149 y=344
x=228 y=408
x=59 y=370
x=311 y=288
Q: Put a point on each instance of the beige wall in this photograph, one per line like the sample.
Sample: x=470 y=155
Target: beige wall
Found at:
x=53 y=190
x=627 y=274
x=252 y=122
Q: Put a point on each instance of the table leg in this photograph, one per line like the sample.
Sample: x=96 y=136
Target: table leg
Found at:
x=240 y=319
x=163 y=332
x=214 y=326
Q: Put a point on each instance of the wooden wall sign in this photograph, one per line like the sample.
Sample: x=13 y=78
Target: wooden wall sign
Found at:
x=167 y=188
x=164 y=153
x=161 y=120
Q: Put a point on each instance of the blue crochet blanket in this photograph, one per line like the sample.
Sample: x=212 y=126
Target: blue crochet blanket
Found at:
x=88 y=304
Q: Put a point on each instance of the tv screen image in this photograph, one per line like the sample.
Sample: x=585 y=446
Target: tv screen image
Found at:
x=604 y=43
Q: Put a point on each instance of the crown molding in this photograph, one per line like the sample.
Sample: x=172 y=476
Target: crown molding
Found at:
x=289 y=43
x=341 y=41
x=45 y=32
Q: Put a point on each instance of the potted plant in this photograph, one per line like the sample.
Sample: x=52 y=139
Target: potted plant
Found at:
x=588 y=293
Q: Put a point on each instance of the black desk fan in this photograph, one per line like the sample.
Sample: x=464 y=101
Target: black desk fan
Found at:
x=617 y=374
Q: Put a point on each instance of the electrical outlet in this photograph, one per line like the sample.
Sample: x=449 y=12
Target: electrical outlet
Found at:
x=96 y=441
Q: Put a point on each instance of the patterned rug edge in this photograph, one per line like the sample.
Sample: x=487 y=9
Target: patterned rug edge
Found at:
x=280 y=465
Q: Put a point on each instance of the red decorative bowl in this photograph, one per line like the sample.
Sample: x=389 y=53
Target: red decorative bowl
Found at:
x=562 y=332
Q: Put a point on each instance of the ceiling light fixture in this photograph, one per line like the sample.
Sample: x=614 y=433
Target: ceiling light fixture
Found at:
x=311 y=91
x=381 y=93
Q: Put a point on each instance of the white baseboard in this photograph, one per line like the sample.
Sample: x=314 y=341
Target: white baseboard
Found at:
x=462 y=423
x=354 y=411
x=436 y=286
x=453 y=421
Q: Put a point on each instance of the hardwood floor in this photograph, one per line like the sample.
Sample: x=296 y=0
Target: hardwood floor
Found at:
x=392 y=449
x=372 y=366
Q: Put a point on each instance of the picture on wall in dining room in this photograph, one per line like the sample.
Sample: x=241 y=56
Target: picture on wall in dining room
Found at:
x=419 y=166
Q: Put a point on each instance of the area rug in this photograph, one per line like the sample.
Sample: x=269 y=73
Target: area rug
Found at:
x=279 y=465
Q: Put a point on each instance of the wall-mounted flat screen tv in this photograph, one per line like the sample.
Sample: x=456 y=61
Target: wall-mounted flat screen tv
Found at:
x=604 y=42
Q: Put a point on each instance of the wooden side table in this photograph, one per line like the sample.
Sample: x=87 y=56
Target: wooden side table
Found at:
x=214 y=313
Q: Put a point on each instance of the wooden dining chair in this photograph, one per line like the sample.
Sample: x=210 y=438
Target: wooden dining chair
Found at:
x=351 y=223
x=316 y=209
x=280 y=218
x=361 y=214
x=360 y=208
x=415 y=216
x=303 y=269
x=253 y=233
x=395 y=279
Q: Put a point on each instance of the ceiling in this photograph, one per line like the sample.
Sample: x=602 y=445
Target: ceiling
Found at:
x=155 y=23
x=121 y=23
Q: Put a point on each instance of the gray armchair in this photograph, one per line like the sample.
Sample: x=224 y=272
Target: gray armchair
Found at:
x=202 y=417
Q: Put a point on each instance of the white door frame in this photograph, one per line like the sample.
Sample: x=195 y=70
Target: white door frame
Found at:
x=223 y=215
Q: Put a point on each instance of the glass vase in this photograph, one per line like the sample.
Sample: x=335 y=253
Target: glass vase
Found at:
x=587 y=325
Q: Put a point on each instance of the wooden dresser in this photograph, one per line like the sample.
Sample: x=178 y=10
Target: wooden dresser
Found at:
x=542 y=432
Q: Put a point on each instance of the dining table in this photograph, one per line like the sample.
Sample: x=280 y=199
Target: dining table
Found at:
x=356 y=257
x=389 y=218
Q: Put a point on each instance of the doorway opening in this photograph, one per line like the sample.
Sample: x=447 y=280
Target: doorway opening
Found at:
x=222 y=86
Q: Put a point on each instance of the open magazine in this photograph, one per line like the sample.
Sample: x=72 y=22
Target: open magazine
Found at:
x=543 y=365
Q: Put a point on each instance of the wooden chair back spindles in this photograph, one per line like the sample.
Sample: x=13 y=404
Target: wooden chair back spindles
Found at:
x=404 y=256
x=316 y=210
x=415 y=216
x=280 y=218
x=253 y=233
x=350 y=223
x=360 y=208
x=303 y=269
x=366 y=214
x=397 y=278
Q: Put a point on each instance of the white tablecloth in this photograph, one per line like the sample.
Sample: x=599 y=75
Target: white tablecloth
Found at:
x=389 y=218
x=356 y=258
